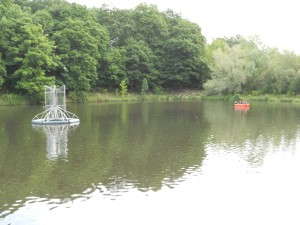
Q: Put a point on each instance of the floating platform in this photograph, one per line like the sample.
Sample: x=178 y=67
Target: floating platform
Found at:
x=55 y=105
x=55 y=121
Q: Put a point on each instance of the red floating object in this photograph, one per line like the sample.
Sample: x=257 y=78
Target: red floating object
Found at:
x=241 y=105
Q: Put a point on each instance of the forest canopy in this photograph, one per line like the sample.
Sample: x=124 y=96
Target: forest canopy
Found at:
x=53 y=42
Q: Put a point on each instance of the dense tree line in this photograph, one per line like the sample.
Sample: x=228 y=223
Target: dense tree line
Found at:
x=242 y=65
x=47 y=42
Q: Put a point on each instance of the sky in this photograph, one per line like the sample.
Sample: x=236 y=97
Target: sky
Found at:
x=276 y=22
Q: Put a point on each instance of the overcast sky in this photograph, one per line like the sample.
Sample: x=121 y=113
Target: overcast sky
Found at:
x=276 y=22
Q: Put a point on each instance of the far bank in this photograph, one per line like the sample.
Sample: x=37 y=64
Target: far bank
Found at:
x=13 y=99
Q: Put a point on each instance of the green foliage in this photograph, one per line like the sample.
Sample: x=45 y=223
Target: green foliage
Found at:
x=119 y=23
x=43 y=18
x=246 y=66
x=33 y=66
x=80 y=44
x=158 y=90
x=27 y=53
x=151 y=26
x=145 y=87
x=2 y=71
x=184 y=62
x=123 y=87
x=12 y=99
x=113 y=68
x=229 y=73
x=79 y=96
x=139 y=64
x=54 y=42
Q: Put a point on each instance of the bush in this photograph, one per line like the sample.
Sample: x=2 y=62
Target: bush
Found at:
x=158 y=90
x=79 y=96
x=123 y=86
x=145 y=86
x=12 y=99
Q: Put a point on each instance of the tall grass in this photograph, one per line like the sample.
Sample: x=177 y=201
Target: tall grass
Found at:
x=97 y=97
x=13 y=99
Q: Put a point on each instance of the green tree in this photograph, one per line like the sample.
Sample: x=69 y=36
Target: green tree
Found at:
x=31 y=75
x=119 y=23
x=228 y=72
x=284 y=68
x=139 y=64
x=123 y=87
x=145 y=86
x=112 y=68
x=27 y=53
x=218 y=43
x=2 y=71
x=81 y=42
x=237 y=66
x=184 y=61
x=44 y=18
x=151 y=26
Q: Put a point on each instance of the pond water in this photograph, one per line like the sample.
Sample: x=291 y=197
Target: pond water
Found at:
x=152 y=163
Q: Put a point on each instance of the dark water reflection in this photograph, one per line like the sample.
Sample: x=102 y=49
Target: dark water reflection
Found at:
x=254 y=133
x=136 y=150
x=118 y=146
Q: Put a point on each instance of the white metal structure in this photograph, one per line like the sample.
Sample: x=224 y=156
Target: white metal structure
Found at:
x=55 y=108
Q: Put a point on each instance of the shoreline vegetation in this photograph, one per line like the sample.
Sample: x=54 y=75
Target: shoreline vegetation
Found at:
x=14 y=100
x=109 y=55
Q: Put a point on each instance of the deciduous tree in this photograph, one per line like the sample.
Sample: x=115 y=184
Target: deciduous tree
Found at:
x=27 y=53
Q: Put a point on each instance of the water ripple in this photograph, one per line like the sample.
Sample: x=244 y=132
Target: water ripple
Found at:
x=7 y=209
x=191 y=171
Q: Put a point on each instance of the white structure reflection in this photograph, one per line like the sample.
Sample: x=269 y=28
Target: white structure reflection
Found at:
x=57 y=139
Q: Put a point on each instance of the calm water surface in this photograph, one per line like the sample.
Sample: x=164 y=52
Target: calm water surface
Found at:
x=152 y=163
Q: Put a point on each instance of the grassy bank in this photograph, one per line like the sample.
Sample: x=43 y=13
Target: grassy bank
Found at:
x=12 y=99
x=189 y=96
x=272 y=98
x=183 y=96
